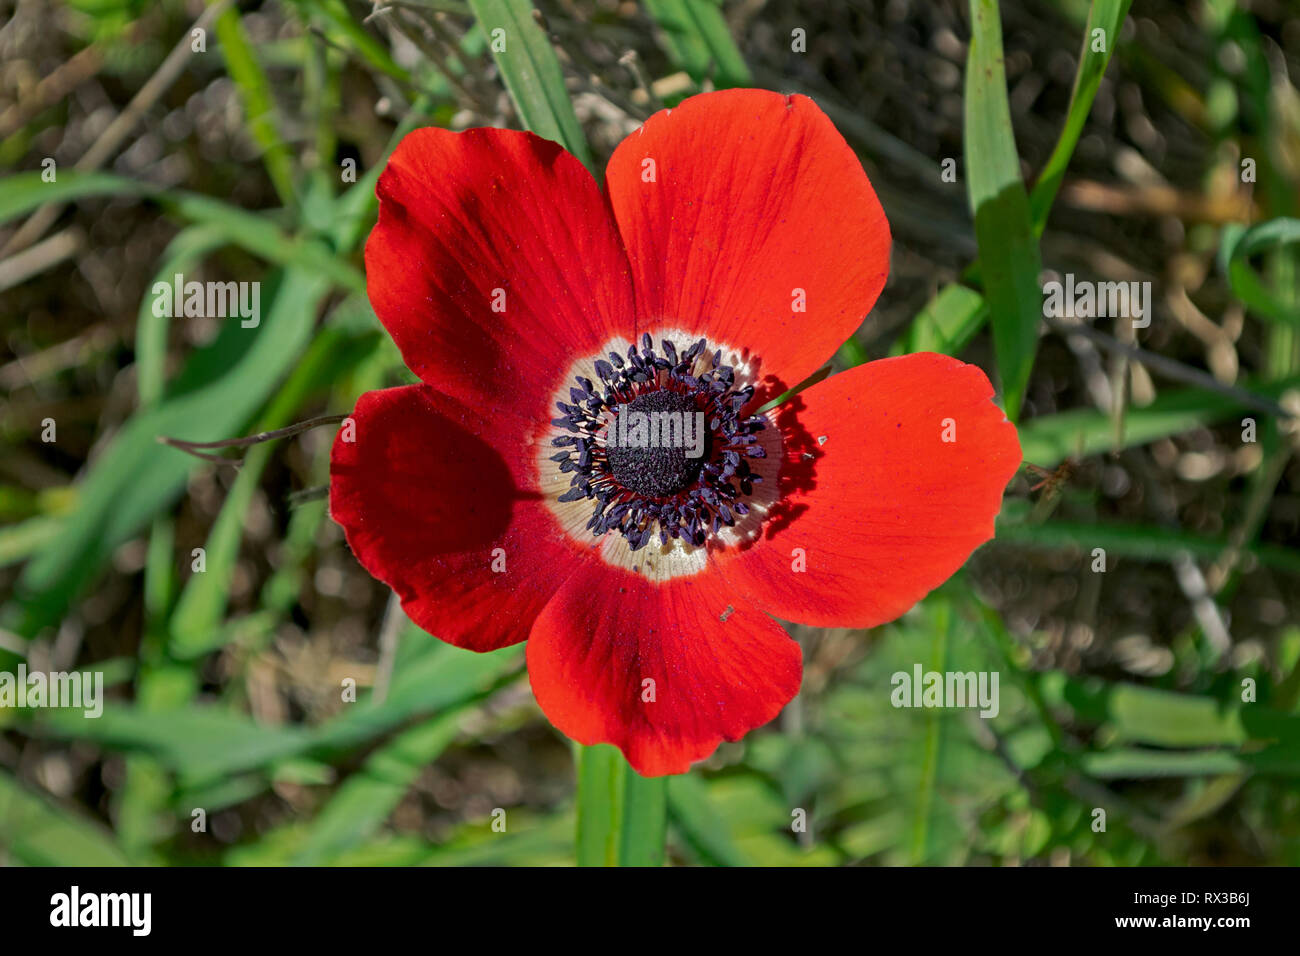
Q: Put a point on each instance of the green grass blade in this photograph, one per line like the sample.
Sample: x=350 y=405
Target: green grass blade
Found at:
x=141 y=804
x=1009 y=260
x=1107 y=16
x=680 y=39
x=258 y=102
x=339 y=26
x=694 y=34
x=531 y=72
x=355 y=210
x=933 y=743
x=937 y=329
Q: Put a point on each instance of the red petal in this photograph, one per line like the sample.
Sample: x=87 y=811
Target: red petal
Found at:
x=719 y=671
x=886 y=511
x=464 y=214
x=755 y=195
x=425 y=494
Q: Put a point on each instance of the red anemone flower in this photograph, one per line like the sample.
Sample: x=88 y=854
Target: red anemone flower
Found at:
x=585 y=464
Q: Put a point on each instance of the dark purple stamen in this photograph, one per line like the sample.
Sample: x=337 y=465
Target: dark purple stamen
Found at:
x=645 y=492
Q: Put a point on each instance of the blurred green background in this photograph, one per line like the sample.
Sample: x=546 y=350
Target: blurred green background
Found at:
x=1163 y=690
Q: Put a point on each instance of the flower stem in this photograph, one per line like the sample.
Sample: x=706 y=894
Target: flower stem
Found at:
x=622 y=815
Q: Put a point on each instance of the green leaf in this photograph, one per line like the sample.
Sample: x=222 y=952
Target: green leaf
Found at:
x=695 y=817
x=365 y=800
x=251 y=231
x=258 y=235
x=199 y=742
x=20 y=541
x=1234 y=256
x=38 y=833
x=739 y=819
x=1146 y=715
x=203 y=743
x=621 y=815
x=20 y=193
x=1008 y=249
x=196 y=623
x=1082 y=432
x=430 y=678
x=1138 y=763
x=186 y=250
x=948 y=322
x=136 y=478
x=1200 y=735
x=1131 y=540
x=531 y=72
x=528 y=841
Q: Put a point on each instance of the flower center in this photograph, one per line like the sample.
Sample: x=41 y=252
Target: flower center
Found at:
x=659 y=445
x=656 y=443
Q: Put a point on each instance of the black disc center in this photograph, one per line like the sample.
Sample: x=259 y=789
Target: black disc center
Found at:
x=657 y=443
